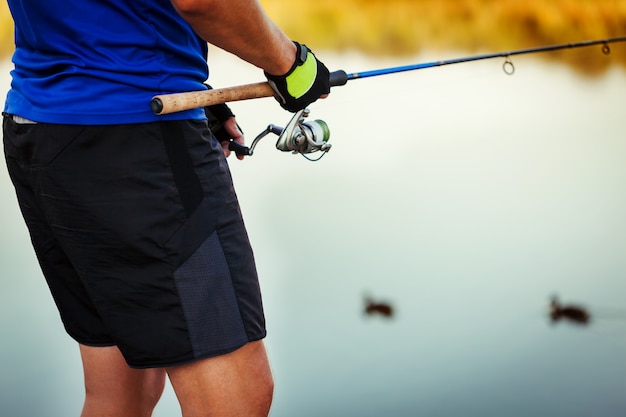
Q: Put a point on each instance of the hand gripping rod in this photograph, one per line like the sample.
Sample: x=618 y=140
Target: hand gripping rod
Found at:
x=171 y=103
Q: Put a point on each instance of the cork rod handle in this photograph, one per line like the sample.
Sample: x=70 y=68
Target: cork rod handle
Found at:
x=171 y=103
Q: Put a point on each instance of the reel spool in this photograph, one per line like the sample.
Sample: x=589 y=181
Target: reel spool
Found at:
x=298 y=137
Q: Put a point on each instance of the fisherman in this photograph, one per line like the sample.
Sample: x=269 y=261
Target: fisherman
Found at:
x=133 y=216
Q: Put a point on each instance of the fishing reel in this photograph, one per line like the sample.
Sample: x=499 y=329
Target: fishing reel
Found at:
x=298 y=137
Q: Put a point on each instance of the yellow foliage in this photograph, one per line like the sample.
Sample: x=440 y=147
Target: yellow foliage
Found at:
x=393 y=27
x=6 y=30
x=396 y=27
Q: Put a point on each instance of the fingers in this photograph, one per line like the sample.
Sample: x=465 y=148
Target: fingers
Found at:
x=232 y=129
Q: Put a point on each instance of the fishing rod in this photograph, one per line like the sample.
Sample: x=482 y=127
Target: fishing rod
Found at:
x=508 y=66
x=171 y=103
x=307 y=137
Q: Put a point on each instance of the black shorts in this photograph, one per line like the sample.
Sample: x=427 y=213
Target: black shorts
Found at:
x=139 y=234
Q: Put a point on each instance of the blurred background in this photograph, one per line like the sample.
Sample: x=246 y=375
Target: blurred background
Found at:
x=456 y=200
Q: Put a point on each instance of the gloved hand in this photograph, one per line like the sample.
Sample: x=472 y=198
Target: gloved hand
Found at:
x=306 y=81
x=222 y=124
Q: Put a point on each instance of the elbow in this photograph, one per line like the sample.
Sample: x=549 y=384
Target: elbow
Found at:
x=192 y=7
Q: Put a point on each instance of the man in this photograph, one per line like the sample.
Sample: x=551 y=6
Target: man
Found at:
x=133 y=216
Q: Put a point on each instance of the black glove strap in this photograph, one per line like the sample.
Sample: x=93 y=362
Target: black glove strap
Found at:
x=221 y=111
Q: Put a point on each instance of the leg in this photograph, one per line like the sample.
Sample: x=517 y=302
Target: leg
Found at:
x=232 y=385
x=113 y=389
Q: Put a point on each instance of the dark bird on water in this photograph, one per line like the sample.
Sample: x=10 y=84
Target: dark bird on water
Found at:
x=373 y=307
x=573 y=313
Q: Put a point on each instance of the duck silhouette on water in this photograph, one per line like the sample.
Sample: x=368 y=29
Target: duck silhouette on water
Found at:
x=378 y=308
x=573 y=313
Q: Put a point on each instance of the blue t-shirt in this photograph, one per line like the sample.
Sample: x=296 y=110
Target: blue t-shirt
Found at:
x=101 y=61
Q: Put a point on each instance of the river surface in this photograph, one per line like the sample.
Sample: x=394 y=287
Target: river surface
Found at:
x=462 y=196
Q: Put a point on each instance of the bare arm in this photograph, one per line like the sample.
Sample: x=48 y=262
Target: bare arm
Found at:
x=240 y=27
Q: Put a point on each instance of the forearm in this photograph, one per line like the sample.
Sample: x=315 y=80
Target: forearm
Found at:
x=242 y=28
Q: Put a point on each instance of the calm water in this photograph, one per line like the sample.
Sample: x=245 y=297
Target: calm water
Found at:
x=463 y=196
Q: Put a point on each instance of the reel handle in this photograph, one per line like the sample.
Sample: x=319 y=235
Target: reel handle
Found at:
x=171 y=103
x=238 y=148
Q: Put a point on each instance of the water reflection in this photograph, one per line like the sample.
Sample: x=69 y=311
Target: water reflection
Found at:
x=459 y=196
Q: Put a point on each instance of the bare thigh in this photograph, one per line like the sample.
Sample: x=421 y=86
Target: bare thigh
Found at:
x=114 y=389
x=236 y=384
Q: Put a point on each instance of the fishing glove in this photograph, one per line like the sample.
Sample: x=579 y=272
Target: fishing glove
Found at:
x=216 y=115
x=305 y=82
